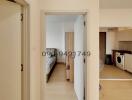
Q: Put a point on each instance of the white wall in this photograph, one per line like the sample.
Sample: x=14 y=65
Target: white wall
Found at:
x=36 y=82
x=115 y=17
x=68 y=26
x=66 y=5
x=55 y=36
x=110 y=42
x=78 y=61
x=92 y=6
x=36 y=88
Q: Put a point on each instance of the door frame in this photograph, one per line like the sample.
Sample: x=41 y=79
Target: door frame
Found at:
x=71 y=78
x=26 y=54
x=25 y=35
x=43 y=44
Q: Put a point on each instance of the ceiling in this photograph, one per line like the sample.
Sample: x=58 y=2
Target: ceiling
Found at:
x=61 y=18
x=115 y=4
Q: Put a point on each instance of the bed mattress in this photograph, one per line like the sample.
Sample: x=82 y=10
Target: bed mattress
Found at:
x=50 y=61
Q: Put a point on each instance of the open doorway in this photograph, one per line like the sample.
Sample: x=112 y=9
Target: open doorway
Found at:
x=115 y=63
x=115 y=52
x=64 y=56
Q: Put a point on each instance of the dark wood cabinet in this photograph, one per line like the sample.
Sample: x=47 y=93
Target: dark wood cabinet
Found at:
x=114 y=57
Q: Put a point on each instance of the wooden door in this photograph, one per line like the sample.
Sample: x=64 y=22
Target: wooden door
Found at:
x=10 y=51
x=102 y=45
x=69 y=57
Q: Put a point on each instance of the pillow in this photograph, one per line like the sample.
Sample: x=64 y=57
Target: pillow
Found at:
x=50 y=52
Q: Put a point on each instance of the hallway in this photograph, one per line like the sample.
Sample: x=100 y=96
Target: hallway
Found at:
x=58 y=88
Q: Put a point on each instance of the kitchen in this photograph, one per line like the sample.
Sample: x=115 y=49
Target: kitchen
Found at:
x=116 y=53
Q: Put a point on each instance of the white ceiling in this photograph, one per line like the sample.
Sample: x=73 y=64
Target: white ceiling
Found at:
x=61 y=18
x=115 y=4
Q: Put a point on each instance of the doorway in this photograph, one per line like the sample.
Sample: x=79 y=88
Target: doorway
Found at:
x=115 y=63
x=69 y=47
x=77 y=84
x=102 y=45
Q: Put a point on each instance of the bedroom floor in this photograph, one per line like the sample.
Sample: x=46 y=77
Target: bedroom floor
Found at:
x=112 y=72
x=58 y=88
x=116 y=90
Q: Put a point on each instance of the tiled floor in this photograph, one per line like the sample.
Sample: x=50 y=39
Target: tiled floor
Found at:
x=112 y=72
x=116 y=90
x=58 y=88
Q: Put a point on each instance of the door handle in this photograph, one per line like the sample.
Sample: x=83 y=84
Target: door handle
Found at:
x=22 y=69
x=43 y=53
x=84 y=60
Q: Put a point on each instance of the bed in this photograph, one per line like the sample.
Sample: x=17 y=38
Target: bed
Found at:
x=51 y=59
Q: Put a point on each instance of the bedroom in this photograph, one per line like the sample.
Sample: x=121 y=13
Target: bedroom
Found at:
x=64 y=56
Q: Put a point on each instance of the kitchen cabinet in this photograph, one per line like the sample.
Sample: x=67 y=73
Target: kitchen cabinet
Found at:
x=128 y=62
